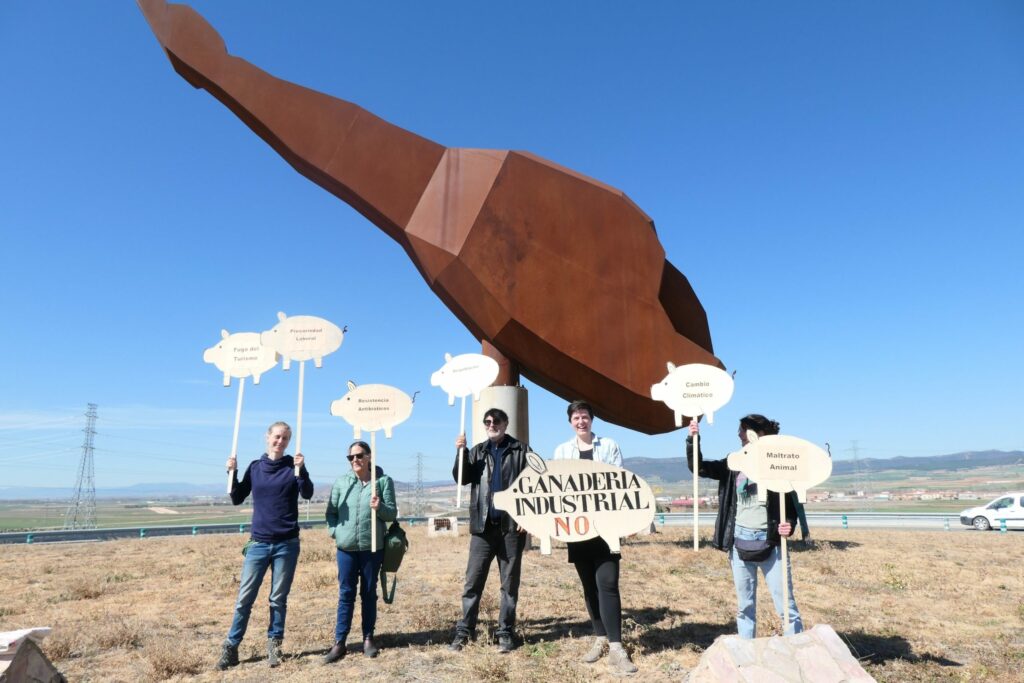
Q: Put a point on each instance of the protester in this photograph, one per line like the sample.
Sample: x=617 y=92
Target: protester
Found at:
x=274 y=542
x=596 y=565
x=751 y=527
x=349 y=523
x=488 y=467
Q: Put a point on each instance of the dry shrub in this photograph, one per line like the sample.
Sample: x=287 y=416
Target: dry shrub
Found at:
x=6 y=611
x=319 y=580
x=81 y=588
x=168 y=657
x=117 y=631
x=316 y=553
x=61 y=645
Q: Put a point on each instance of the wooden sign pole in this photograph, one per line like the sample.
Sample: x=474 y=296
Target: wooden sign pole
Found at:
x=785 y=567
x=696 y=466
x=234 y=438
x=462 y=430
x=373 y=489
x=298 y=420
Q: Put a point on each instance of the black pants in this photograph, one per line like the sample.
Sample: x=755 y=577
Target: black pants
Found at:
x=600 y=579
x=483 y=548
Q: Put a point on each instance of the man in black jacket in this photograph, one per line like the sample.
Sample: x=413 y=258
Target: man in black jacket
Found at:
x=490 y=466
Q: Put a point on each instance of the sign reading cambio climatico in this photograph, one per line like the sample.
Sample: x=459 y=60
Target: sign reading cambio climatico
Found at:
x=576 y=500
x=781 y=463
x=694 y=390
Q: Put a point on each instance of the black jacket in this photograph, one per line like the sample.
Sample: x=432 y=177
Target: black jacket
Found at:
x=477 y=465
x=725 y=522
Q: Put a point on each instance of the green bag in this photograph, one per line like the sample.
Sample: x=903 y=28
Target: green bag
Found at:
x=395 y=545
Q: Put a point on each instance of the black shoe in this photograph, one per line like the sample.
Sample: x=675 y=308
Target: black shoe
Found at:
x=369 y=649
x=228 y=656
x=273 y=652
x=504 y=642
x=459 y=642
x=335 y=653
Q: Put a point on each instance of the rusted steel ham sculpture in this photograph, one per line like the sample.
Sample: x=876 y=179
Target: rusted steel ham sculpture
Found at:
x=495 y=234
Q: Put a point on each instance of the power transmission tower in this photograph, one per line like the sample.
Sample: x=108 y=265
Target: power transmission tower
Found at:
x=863 y=468
x=81 y=512
x=418 y=504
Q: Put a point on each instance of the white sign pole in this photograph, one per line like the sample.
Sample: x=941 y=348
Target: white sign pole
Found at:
x=696 y=516
x=785 y=567
x=234 y=438
x=694 y=390
x=373 y=490
x=462 y=375
x=462 y=430
x=298 y=420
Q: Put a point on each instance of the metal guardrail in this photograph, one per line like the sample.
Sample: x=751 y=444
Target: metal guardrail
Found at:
x=863 y=520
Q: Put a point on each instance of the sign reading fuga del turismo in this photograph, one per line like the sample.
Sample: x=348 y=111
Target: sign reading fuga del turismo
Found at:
x=577 y=500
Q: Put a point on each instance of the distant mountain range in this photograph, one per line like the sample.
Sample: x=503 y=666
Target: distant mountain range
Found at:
x=660 y=469
x=675 y=469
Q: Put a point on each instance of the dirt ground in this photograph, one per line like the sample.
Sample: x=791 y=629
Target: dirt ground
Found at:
x=912 y=605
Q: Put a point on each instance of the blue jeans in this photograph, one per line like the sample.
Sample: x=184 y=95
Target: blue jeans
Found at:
x=281 y=558
x=361 y=566
x=744 y=576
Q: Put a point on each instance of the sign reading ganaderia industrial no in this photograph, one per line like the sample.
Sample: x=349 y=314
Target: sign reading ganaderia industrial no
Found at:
x=576 y=500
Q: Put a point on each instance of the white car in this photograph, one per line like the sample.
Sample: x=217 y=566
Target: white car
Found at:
x=1009 y=506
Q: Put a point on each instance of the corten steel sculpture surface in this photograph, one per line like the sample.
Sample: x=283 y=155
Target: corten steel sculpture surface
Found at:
x=492 y=233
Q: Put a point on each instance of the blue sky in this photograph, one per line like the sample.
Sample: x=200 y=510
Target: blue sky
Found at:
x=841 y=183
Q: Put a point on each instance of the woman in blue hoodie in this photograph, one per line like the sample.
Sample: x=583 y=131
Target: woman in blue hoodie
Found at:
x=275 y=537
x=349 y=523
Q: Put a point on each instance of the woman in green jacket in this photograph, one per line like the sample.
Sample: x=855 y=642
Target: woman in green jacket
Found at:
x=348 y=522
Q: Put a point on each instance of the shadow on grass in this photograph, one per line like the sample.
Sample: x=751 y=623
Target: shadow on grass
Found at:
x=876 y=649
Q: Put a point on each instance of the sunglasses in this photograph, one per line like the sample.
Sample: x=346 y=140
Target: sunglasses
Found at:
x=353 y=456
x=489 y=422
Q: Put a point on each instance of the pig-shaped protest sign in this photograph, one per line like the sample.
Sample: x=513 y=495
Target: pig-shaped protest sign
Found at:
x=576 y=500
x=694 y=390
x=303 y=337
x=465 y=374
x=781 y=463
x=372 y=407
x=240 y=355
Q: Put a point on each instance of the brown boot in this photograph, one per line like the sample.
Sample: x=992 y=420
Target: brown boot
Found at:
x=335 y=653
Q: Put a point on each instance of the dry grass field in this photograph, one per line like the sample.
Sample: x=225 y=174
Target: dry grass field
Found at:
x=914 y=606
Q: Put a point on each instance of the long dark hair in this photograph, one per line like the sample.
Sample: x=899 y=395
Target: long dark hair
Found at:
x=760 y=424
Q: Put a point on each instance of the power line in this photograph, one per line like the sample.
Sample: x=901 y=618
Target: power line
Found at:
x=81 y=513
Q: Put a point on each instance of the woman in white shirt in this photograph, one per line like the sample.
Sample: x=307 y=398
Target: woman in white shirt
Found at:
x=596 y=565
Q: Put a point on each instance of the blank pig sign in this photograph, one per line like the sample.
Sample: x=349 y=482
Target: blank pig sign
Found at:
x=576 y=500
x=462 y=375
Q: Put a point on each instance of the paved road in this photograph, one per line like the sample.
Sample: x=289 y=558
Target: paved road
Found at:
x=853 y=520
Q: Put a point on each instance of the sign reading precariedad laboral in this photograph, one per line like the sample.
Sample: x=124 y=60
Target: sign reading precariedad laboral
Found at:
x=782 y=463
x=465 y=374
x=240 y=355
x=303 y=337
x=576 y=500
x=693 y=390
x=371 y=407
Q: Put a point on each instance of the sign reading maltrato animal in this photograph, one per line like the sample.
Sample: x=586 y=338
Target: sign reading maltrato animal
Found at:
x=576 y=500
x=782 y=463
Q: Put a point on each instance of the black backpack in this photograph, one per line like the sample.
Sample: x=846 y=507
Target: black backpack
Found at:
x=395 y=545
